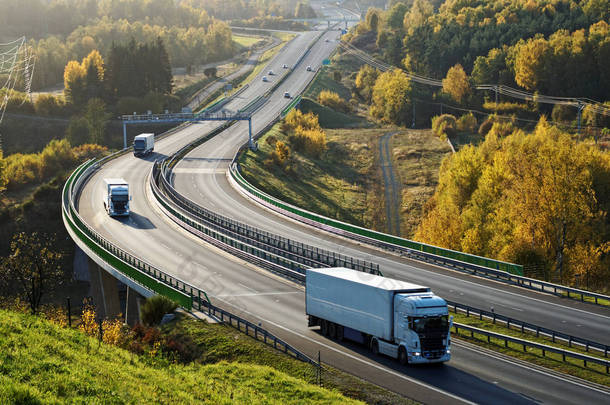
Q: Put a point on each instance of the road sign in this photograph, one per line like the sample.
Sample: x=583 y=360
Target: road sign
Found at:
x=326 y=62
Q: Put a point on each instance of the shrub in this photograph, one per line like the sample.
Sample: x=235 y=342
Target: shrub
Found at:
x=281 y=154
x=78 y=131
x=444 y=125
x=154 y=308
x=271 y=140
x=467 y=123
x=486 y=125
x=332 y=100
x=309 y=141
x=49 y=105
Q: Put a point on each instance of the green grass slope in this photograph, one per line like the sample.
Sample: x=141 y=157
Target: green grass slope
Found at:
x=43 y=363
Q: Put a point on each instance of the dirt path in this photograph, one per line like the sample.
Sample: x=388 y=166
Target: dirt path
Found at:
x=391 y=186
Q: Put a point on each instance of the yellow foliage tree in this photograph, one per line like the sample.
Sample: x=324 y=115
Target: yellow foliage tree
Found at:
x=537 y=198
x=391 y=97
x=456 y=84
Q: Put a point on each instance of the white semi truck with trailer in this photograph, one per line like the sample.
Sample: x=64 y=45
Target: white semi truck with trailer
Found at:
x=116 y=197
x=399 y=319
x=143 y=144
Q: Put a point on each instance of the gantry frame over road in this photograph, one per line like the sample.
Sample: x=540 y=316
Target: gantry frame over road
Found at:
x=186 y=117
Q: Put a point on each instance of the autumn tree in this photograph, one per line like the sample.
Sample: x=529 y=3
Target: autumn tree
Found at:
x=527 y=198
x=372 y=19
x=530 y=63
x=74 y=83
x=97 y=117
x=93 y=66
x=365 y=81
x=33 y=267
x=391 y=97
x=456 y=84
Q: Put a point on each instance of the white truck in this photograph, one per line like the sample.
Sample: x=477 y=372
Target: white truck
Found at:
x=143 y=144
x=399 y=319
x=116 y=197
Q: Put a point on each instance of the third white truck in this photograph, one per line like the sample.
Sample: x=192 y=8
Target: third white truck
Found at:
x=399 y=319
x=143 y=144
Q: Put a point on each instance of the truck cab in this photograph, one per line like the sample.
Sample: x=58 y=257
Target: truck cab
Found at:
x=143 y=144
x=116 y=197
x=421 y=327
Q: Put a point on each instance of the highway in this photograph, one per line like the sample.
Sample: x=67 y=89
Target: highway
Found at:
x=472 y=375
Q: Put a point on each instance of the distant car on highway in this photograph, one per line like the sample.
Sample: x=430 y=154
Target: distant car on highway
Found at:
x=265 y=79
x=308 y=68
x=284 y=66
x=287 y=95
x=270 y=73
x=326 y=40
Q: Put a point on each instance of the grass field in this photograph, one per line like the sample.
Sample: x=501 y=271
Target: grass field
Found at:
x=246 y=41
x=416 y=157
x=43 y=363
x=344 y=183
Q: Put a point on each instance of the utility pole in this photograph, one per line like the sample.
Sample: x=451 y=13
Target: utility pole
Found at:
x=413 y=125
x=580 y=108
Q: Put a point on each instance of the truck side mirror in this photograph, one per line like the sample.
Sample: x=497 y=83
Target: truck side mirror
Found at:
x=132 y=196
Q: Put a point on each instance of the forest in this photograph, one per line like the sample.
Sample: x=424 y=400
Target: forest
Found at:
x=531 y=184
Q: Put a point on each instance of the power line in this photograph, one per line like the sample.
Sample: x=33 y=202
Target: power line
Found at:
x=580 y=103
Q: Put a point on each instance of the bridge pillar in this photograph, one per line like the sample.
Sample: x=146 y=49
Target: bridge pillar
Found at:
x=104 y=290
x=132 y=307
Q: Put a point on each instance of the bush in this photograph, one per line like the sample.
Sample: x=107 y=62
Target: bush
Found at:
x=467 y=123
x=154 y=308
x=49 y=105
x=486 y=125
x=444 y=125
x=332 y=100
x=78 y=131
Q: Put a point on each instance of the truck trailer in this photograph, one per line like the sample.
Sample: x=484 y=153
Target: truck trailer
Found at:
x=143 y=144
x=392 y=317
x=116 y=197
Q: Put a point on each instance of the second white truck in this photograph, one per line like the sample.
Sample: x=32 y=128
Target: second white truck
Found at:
x=116 y=197
x=399 y=319
x=143 y=144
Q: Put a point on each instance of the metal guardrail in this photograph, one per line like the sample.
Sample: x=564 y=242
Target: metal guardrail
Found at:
x=147 y=275
x=390 y=242
x=526 y=343
x=296 y=252
x=256 y=332
x=530 y=327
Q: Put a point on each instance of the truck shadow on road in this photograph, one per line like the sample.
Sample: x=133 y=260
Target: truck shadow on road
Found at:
x=137 y=221
x=447 y=377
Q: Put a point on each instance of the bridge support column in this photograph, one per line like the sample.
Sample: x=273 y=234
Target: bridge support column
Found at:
x=104 y=290
x=132 y=307
x=250 y=142
x=124 y=135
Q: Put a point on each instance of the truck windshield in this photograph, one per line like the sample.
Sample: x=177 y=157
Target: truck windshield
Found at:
x=139 y=144
x=430 y=324
x=119 y=197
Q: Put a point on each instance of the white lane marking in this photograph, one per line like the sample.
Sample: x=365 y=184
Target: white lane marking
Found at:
x=248 y=288
x=527 y=367
x=517 y=309
x=368 y=363
x=255 y=294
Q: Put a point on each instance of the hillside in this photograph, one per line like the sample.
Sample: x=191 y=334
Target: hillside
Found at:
x=43 y=363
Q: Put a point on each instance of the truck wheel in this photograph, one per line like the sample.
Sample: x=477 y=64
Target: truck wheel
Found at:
x=340 y=333
x=402 y=356
x=375 y=347
x=324 y=327
x=332 y=330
